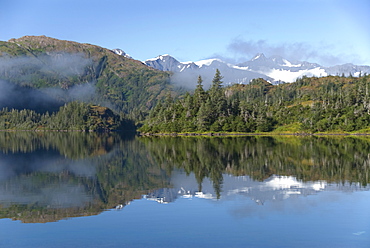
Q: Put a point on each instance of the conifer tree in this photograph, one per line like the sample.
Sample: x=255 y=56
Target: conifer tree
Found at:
x=199 y=93
x=204 y=120
x=217 y=97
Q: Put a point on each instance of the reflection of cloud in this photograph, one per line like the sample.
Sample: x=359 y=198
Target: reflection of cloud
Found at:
x=19 y=186
x=52 y=195
x=13 y=165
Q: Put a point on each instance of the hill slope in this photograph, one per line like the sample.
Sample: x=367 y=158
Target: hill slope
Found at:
x=66 y=71
x=310 y=105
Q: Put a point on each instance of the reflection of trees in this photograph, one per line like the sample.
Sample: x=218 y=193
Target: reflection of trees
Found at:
x=117 y=177
x=75 y=145
x=110 y=169
x=339 y=159
x=38 y=209
x=129 y=173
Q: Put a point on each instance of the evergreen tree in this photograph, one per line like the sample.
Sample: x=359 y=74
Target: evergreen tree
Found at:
x=308 y=105
x=204 y=115
x=217 y=97
x=199 y=93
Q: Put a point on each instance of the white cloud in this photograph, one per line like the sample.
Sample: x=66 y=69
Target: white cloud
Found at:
x=324 y=54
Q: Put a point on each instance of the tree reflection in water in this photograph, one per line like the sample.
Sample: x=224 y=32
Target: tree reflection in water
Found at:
x=48 y=176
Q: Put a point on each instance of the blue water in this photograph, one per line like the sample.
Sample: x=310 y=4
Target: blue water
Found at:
x=328 y=219
x=111 y=191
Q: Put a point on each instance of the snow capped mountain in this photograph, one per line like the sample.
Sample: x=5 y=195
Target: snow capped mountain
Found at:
x=274 y=69
x=168 y=63
x=121 y=52
x=186 y=73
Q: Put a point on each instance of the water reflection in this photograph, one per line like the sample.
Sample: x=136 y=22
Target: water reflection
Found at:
x=51 y=176
x=275 y=188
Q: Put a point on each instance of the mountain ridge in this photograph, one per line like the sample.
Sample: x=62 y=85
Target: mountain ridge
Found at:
x=274 y=69
x=68 y=70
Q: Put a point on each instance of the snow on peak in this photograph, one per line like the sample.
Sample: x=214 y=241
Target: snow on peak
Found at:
x=290 y=76
x=121 y=52
x=258 y=56
x=163 y=57
x=206 y=62
x=288 y=64
x=160 y=57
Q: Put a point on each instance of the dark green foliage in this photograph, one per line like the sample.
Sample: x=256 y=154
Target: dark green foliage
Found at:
x=125 y=85
x=328 y=104
x=76 y=116
x=133 y=89
x=339 y=159
x=122 y=168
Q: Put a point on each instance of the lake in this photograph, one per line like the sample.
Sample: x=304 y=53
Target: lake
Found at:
x=119 y=190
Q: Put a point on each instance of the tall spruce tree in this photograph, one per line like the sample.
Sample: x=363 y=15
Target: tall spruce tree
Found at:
x=217 y=97
x=199 y=93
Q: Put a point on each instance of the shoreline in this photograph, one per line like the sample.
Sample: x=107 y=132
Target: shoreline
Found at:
x=212 y=134
x=205 y=134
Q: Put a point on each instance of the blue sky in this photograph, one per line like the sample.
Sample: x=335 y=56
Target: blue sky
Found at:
x=323 y=31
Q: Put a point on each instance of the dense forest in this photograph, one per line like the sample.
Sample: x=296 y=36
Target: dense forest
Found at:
x=74 y=116
x=106 y=168
x=340 y=159
x=309 y=105
x=66 y=71
x=40 y=75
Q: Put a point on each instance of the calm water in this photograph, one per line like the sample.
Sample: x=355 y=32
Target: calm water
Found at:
x=88 y=190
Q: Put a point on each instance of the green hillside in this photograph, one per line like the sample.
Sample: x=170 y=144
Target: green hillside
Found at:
x=66 y=70
x=74 y=116
x=41 y=74
x=309 y=105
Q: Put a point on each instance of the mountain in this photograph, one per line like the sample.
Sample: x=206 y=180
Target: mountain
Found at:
x=121 y=52
x=186 y=73
x=275 y=69
x=67 y=71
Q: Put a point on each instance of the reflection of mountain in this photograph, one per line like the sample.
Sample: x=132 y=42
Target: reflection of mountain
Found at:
x=39 y=183
x=275 y=188
x=47 y=177
x=332 y=159
x=74 y=145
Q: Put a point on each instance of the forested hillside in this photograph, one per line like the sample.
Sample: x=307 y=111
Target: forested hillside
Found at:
x=74 y=116
x=65 y=71
x=39 y=75
x=310 y=105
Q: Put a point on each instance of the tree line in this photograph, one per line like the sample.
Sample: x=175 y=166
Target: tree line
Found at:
x=75 y=115
x=327 y=104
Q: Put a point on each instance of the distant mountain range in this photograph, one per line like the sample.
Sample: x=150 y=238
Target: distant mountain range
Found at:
x=274 y=69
